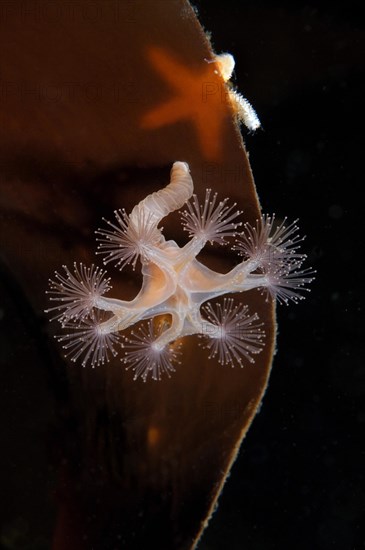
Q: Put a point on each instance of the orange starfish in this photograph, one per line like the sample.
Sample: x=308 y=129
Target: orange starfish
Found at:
x=199 y=96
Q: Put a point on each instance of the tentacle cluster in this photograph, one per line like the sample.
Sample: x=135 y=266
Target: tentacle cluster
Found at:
x=76 y=293
x=145 y=357
x=177 y=291
x=273 y=248
x=232 y=334
x=211 y=221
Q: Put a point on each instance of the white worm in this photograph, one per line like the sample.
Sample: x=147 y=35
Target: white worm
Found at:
x=242 y=107
x=226 y=63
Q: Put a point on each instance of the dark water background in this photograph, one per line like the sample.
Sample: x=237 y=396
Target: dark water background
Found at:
x=298 y=482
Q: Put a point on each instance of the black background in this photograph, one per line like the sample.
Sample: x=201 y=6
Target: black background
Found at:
x=298 y=482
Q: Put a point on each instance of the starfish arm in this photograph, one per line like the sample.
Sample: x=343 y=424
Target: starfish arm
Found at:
x=166 y=113
x=196 y=96
x=208 y=129
x=170 y=69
